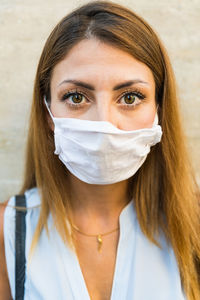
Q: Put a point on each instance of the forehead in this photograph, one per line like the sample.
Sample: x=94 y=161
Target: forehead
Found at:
x=94 y=59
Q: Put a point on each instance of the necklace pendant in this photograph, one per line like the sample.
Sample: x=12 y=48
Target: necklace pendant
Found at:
x=99 y=240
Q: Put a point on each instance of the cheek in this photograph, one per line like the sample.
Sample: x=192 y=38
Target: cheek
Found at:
x=142 y=118
x=59 y=110
x=147 y=120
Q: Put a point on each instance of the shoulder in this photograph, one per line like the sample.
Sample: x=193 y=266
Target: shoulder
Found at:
x=33 y=204
x=4 y=282
x=8 y=218
x=33 y=200
x=33 y=197
x=7 y=236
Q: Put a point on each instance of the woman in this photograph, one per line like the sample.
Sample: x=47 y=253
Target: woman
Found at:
x=112 y=209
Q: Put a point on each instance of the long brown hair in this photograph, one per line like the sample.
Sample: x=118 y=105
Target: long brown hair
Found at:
x=164 y=190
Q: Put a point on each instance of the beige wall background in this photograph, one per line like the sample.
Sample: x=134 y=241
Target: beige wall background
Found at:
x=24 y=27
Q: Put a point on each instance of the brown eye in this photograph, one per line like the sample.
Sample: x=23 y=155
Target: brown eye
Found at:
x=77 y=98
x=129 y=98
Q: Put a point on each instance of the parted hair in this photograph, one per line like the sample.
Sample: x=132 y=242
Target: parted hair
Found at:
x=164 y=190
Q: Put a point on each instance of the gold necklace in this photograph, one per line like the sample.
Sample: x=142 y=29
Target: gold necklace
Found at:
x=98 y=236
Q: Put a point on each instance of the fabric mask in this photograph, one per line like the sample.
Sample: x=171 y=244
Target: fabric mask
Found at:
x=97 y=152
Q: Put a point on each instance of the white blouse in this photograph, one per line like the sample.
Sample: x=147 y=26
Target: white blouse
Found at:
x=142 y=271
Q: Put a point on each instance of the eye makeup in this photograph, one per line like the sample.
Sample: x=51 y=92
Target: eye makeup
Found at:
x=70 y=98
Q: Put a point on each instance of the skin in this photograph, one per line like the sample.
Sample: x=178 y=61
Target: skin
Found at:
x=96 y=208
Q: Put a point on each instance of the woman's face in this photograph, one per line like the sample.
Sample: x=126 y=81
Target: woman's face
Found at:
x=96 y=81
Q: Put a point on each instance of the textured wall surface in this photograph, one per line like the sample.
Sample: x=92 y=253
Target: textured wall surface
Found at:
x=24 y=27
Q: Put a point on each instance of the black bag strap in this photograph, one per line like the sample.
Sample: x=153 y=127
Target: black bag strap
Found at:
x=20 y=238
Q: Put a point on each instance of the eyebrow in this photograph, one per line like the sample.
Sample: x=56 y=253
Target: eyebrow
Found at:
x=115 y=88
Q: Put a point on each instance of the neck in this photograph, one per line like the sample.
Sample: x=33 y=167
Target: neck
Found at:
x=99 y=203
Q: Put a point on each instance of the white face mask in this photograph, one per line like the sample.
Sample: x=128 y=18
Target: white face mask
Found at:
x=97 y=152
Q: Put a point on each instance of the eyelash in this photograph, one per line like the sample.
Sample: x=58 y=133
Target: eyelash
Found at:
x=134 y=92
